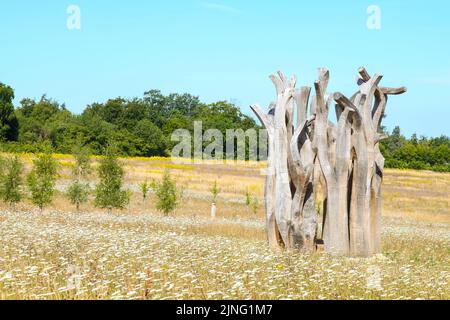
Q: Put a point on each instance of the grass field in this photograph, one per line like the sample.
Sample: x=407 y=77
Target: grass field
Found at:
x=139 y=254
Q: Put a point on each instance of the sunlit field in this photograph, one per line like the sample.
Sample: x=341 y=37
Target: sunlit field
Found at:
x=138 y=253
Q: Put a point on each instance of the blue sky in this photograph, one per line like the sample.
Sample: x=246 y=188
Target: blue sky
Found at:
x=225 y=50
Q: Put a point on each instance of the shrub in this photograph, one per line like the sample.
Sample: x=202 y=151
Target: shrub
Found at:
x=41 y=180
x=82 y=167
x=108 y=193
x=396 y=164
x=441 y=168
x=167 y=194
x=78 y=191
x=419 y=165
x=11 y=180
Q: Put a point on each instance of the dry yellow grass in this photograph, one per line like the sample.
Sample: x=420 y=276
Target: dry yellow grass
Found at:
x=417 y=195
x=138 y=254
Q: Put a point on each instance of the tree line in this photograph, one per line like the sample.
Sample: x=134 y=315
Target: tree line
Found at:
x=143 y=127
x=416 y=153
x=137 y=126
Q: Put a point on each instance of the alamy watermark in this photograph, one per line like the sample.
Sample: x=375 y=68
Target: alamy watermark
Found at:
x=374 y=19
x=74 y=18
x=74 y=276
x=374 y=278
x=212 y=144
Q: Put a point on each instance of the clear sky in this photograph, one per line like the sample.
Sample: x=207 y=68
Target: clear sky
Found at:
x=225 y=50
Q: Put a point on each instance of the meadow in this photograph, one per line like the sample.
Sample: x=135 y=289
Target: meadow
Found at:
x=138 y=253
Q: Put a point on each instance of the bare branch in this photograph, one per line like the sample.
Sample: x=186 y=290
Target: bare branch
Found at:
x=345 y=103
x=364 y=74
x=380 y=137
x=293 y=81
x=393 y=91
x=278 y=83
x=282 y=77
x=379 y=108
x=265 y=120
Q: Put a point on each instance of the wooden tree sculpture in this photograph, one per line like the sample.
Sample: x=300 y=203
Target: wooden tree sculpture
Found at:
x=343 y=160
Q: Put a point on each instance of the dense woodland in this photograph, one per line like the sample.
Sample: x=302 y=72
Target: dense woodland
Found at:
x=143 y=127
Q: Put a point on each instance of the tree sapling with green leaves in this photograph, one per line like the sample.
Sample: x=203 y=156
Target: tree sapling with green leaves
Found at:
x=109 y=193
x=215 y=192
x=41 y=180
x=145 y=189
x=78 y=191
x=11 y=180
x=167 y=194
x=248 y=198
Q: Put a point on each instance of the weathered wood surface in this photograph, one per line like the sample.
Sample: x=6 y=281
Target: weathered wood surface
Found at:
x=343 y=158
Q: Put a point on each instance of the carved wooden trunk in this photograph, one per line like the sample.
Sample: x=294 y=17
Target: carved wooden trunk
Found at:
x=309 y=154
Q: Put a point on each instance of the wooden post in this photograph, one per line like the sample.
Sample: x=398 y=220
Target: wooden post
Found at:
x=213 y=211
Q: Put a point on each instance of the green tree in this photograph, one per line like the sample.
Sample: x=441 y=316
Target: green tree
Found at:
x=42 y=121
x=78 y=191
x=41 y=180
x=11 y=181
x=395 y=141
x=108 y=193
x=167 y=194
x=152 y=140
x=9 y=126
